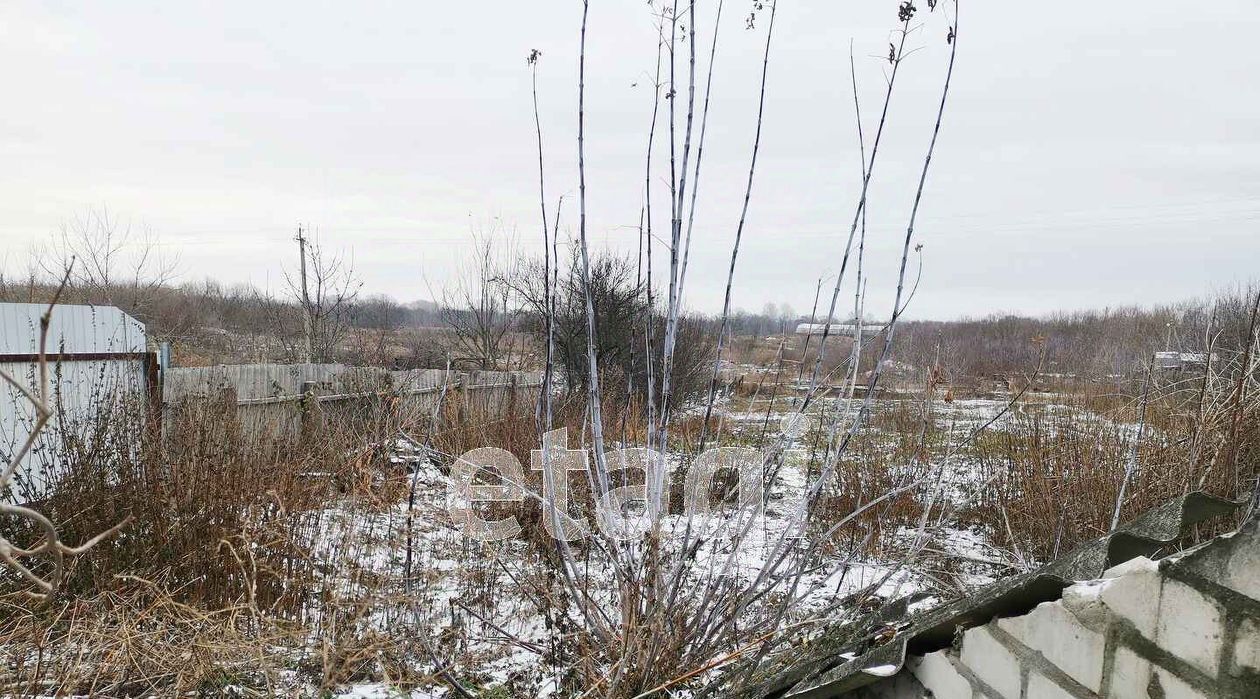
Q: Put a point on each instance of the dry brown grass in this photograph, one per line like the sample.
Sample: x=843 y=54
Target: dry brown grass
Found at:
x=1052 y=480
x=216 y=574
x=217 y=581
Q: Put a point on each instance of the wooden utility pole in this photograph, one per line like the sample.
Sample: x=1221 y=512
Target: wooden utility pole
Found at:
x=306 y=300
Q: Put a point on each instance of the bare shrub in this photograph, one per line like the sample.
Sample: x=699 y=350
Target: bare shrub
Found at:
x=111 y=260
x=623 y=318
x=476 y=308
x=325 y=291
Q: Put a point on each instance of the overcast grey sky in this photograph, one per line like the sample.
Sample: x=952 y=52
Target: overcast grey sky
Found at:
x=1093 y=153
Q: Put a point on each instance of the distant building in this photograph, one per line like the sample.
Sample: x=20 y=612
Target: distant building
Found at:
x=1183 y=361
x=847 y=328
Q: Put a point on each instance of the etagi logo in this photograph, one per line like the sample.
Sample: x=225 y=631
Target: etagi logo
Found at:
x=623 y=512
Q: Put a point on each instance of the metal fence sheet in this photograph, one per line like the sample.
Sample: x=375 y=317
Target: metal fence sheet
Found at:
x=85 y=394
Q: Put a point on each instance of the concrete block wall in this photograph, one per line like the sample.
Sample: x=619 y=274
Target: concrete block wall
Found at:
x=1185 y=627
x=269 y=402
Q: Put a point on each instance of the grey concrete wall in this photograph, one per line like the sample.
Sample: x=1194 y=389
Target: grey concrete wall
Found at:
x=268 y=399
x=1186 y=626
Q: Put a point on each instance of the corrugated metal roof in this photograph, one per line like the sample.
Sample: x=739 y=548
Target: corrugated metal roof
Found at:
x=73 y=329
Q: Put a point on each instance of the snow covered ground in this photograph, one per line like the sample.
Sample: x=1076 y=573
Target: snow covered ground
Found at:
x=483 y=604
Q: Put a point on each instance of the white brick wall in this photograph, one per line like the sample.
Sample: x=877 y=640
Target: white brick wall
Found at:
x=1042 y=687
x=991 y=661
x=1057 y=634
x=1190 y=626
x=936 y=672
x=1175 y=688
x=1247 y=646
x=1243 y=572
x=1172 y=630
x=1135 y=596
x=1130 y=675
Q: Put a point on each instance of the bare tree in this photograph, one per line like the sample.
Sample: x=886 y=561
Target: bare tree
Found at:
x=557 y=310
x=477 y=307
x=662 y=613
x=116 y=263
x=17 y=288
x=326 y=298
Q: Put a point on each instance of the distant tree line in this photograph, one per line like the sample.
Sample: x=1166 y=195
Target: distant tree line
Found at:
x=1110 y=342
x=493 y=316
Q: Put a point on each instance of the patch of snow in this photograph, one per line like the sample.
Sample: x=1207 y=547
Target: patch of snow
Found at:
x=881 y=670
